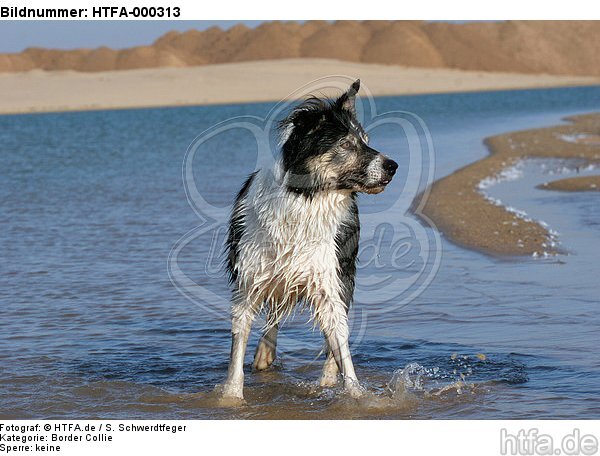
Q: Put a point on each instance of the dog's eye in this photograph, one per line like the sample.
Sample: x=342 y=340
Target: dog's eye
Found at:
x=346 y=145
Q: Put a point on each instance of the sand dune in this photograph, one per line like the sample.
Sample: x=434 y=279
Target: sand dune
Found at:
x=558 y=47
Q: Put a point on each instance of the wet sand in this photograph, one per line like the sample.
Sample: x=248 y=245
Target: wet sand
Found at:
x=574 y=184
x=458 y=206
x=243 y=82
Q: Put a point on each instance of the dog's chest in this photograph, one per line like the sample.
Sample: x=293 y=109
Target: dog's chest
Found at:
x=291 y=241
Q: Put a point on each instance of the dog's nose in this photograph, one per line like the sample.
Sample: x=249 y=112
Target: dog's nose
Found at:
x=390 y=166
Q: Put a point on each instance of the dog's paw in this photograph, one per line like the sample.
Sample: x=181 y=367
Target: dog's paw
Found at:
x=353 y=388
x=230 y=395
x=264 y=356
x=328 y=380
x=230 y=401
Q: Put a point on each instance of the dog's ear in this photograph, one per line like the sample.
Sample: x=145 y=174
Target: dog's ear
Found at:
x=348 y=99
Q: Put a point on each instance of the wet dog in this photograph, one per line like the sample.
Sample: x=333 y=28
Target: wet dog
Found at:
x=294 y=231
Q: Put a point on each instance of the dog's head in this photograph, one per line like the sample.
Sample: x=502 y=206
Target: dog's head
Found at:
x=325 y=148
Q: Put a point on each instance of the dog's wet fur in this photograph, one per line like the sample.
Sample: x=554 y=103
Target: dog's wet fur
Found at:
x=294 y=231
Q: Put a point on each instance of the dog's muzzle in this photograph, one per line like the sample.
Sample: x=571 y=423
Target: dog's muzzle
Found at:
x=387 y=170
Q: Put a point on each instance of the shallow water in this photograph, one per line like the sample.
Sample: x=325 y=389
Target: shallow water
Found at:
x=92 y=327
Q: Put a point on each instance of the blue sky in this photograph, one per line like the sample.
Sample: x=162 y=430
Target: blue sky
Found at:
x=18 y=35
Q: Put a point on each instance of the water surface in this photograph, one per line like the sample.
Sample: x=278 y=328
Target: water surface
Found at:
x=92 y=327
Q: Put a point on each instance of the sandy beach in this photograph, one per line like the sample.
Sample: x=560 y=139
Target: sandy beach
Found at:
x=458 y=205
x=268 y=80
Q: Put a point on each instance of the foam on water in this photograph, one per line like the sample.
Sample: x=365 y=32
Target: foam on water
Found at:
x=551 y=167
x=509 y=173
x=513 y=173
x=577 y=138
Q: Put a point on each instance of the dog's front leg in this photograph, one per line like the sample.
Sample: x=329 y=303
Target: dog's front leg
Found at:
x=334 y=324
x=242 y=315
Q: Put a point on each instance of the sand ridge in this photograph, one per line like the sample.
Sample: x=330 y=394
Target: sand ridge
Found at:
x=267 y=80
x=552 y=47
x=573 y=184
x=459 y=207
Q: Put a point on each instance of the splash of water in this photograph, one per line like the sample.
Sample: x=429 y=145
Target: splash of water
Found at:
x=415 y=379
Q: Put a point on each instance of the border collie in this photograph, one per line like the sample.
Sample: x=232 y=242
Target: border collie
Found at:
x=293 y=234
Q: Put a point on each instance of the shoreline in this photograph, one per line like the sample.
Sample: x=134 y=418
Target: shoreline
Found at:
x=245 y=82
x=459 y=207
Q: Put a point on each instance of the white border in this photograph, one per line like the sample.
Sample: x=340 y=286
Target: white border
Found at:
x=456 y=10
x=302 y=438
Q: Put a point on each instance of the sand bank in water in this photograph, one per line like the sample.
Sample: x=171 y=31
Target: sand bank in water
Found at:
x=41 y=91
x=459 y=207
x=574 y=184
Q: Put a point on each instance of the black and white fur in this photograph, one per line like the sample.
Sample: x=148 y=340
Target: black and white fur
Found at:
x=294 y=230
